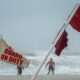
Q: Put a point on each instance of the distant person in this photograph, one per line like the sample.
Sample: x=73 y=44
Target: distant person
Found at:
x=51 y=66
x=19 y=68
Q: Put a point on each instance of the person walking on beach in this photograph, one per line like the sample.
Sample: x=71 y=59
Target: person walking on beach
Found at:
x=19 y=68
x=51 y=66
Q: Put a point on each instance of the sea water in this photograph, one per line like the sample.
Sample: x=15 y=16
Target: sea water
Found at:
x=65 y=64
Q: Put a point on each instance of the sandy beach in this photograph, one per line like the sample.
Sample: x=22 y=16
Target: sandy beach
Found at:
x=40 y=77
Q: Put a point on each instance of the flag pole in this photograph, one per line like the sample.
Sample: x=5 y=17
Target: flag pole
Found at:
x=72 y=13
x=58 y=33
x=67 y=22
x=55 y=40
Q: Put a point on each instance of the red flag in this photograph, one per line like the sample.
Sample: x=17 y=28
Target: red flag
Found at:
x=61 y=44
x=75 y=21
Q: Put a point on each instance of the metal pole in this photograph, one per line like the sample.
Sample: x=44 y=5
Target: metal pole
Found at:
x=55 y=40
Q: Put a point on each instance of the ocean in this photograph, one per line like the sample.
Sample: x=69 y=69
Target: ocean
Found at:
x=65 y=64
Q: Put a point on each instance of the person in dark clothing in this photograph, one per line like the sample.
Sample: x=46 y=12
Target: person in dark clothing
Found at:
x=19 y=68
x=51 y=65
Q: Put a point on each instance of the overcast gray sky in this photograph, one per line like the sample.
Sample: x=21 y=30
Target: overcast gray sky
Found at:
x=29 y=25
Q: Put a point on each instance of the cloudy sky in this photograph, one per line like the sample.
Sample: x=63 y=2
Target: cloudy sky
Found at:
x=29 y=25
